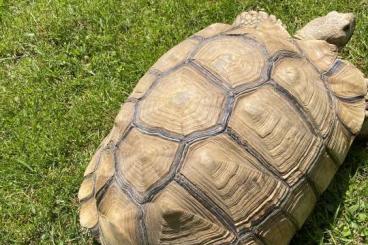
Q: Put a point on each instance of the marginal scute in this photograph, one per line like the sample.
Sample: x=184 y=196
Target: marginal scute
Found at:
x=105 y=169
x=301 y=80
x=96 y=157
x=88 y=214
x=143 y=85
x=176 y=217
x=319 y=52
x=322 y=173
x=212 y=30
x=176 y=55
x=183 y=102
x=234 y=59
x=119 y=218
x=277 y=229
x=251 y=241
x=301 y=203
x=232 y=179
x=286 y=142
x=93 y=163
x=348 y=82
x=339 y=142
x=352 y=114
x=122 y=122
x=144 y=167
x=86 y=188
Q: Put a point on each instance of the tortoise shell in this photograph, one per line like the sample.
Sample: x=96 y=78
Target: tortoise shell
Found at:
x=228 y=139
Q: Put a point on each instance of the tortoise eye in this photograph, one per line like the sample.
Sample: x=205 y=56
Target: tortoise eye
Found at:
x=346 y=28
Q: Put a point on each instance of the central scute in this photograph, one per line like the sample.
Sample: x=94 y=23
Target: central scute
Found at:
x=183 y=102
x=235 y=60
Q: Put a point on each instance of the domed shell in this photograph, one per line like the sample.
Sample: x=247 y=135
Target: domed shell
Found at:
x=228 y=139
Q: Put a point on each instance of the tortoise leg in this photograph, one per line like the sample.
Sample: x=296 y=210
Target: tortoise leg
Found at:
x=364 y=131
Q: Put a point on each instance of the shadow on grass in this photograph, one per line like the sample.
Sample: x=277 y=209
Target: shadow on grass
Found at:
x=331 y=202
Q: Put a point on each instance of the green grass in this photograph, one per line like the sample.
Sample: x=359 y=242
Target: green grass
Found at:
x=65 y=67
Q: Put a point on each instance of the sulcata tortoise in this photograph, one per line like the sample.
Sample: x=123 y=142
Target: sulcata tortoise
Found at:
x=229 y=138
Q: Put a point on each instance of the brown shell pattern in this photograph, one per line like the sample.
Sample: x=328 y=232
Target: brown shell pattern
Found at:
x=228 y=139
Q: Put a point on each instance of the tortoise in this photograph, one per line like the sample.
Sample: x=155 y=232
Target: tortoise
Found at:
x=229 y=138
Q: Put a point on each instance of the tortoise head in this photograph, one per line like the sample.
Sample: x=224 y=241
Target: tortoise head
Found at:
x=335 y=28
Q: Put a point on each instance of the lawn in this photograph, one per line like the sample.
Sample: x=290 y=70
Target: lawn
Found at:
x=65 y=68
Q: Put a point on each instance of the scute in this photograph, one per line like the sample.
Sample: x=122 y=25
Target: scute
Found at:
x=277 y=229
x=300 y=203
x=86 y=188
x=119 y=218
x=92 y=163
x=319 y=52
x=105 y=169
x=181 y=52
x=175 y=56
x=145 y=167
x=303 y=82
x=276 y=131
x=143 y=85
x=347 y=82
x=233 y=179
x=121 y=123
x=339 y=142
x=182 y=102
x=322 y=172
x=236 y=60
x=177 y=218
x=250 y=241
x=352 y=114
x=88 y=214
x=212 y=30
